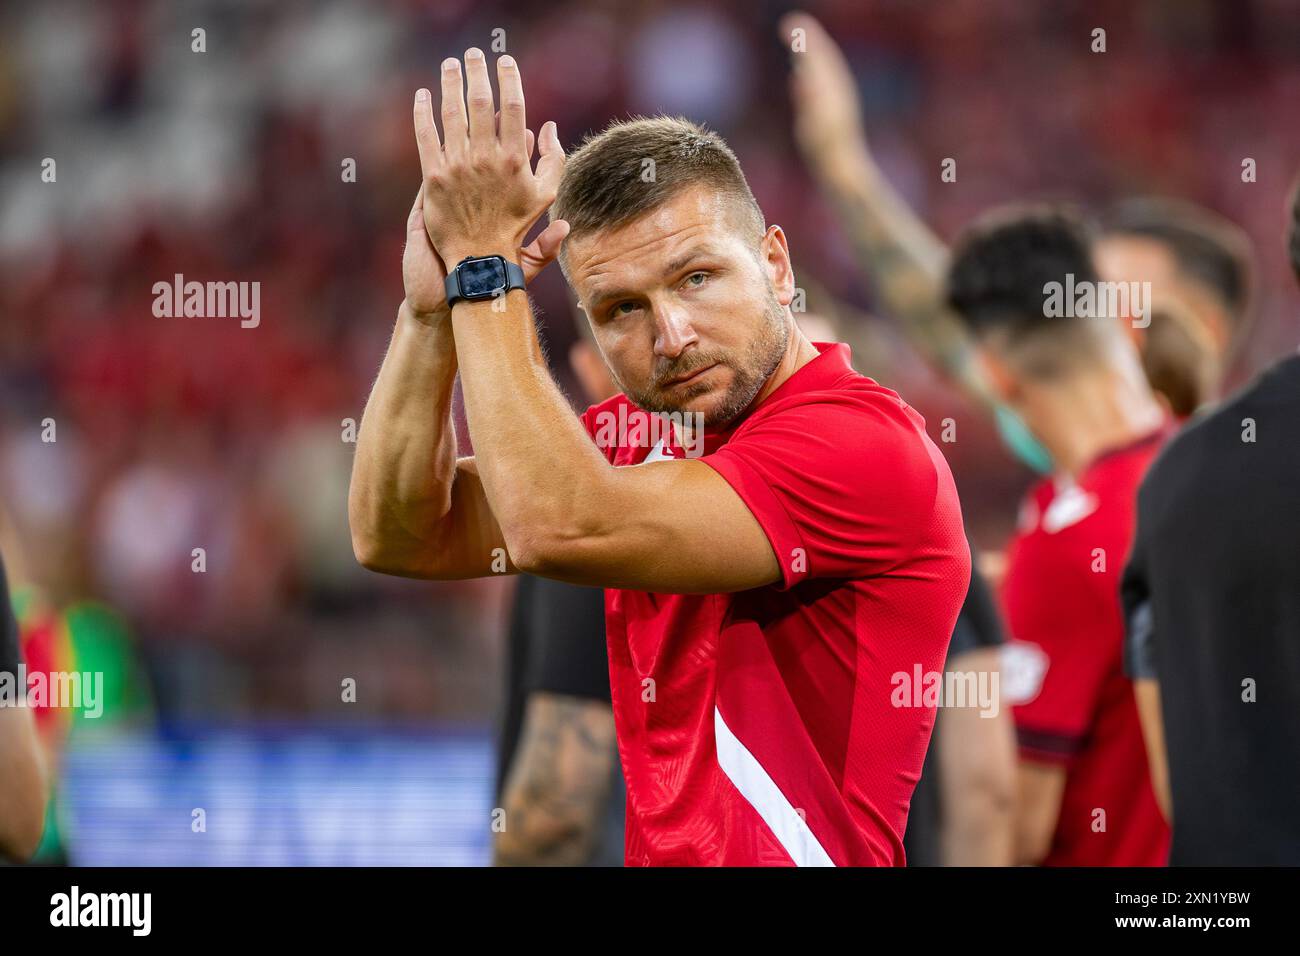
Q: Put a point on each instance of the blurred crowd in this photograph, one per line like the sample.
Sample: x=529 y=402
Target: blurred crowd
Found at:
x=233 y=164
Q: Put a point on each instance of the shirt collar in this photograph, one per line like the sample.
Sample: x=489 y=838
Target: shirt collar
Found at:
x=833 y=362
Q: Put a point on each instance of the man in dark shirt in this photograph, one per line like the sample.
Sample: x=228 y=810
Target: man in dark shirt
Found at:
x=1212 y=600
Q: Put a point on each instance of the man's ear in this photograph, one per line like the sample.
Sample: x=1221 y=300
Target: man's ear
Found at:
x=775 y=255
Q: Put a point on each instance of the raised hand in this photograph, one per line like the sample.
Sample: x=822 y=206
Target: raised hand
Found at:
x=827 y=113
x=481 y=194
x=424 y=271
x=424 y=274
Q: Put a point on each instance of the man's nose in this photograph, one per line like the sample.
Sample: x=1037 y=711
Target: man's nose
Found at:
x=673 y=330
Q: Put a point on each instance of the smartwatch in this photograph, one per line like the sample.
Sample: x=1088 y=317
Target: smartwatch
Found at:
x=482 y=277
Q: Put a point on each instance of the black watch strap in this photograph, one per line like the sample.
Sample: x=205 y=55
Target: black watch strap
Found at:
x=514 y=276
x=514 y=280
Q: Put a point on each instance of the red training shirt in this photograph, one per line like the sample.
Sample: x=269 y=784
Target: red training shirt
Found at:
x=1074 y=706
x=757 y=727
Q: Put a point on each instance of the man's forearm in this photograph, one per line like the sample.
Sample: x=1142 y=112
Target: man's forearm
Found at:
x=1147 y=692
x=540 y=471
x=977 y=775
x=559 y=785
x=406 y=447
x=903 y=258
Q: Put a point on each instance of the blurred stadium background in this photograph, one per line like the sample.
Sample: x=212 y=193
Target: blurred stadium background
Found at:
x=224 y=687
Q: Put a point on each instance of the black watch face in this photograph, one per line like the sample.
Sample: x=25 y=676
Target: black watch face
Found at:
x=482 y=278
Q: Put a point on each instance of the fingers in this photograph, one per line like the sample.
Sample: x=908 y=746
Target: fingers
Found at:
x=529 y=139
x=468 y=114
x=551 y=238
x=417 y=234
x=416 y=230
x=550 y=167
x=813 y=31
x=426 y=133
x=786 y=31
x=818 y=48
x=482 y=117
x=543 y=250
x=823 y=53
x=416 y=219
x=455 y=129
x=512 y=103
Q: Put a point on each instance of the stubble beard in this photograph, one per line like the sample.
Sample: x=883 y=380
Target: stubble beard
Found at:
x=761 y=359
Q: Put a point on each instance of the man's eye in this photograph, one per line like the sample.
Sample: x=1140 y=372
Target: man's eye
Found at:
x=696 y=279
x=624 y=308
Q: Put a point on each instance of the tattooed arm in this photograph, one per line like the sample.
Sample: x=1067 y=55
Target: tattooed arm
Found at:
x=903 y=258
x=555 y=797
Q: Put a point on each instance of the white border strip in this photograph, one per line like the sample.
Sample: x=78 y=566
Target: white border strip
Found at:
x=754 y=784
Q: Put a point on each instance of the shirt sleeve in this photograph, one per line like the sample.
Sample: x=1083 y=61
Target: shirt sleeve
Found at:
x=1066 y=619
x=842 y=486
x=567 y=653
x=978 y=624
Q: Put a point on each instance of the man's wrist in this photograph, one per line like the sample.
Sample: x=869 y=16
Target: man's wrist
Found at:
x=455 y=254
x=429 y=320
x=507 y=249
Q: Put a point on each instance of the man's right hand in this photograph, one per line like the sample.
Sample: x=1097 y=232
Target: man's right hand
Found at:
x=424 y=273
x=827 y=113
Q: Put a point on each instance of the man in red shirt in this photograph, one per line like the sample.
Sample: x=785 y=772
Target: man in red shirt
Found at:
x=1071 y=373
x=781 y=543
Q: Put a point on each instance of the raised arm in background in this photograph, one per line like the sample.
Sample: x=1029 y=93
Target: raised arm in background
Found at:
x=904 y=260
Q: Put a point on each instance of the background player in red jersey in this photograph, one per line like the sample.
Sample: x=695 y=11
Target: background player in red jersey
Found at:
x=1189 y=254
x=763 y=598
x=1076 y=381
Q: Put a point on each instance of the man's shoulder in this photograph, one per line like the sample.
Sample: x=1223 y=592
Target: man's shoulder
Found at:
x=1233 y=451
x=849 y=385
x=859 y=451
x=1209 y=439
x=854 y=408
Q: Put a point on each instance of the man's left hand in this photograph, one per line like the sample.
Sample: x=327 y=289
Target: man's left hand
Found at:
x=481 y=195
